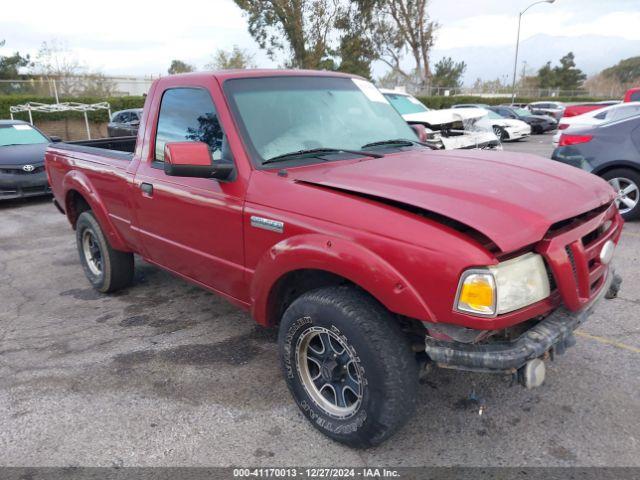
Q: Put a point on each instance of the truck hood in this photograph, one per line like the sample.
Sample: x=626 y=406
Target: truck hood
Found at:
x=510 y=198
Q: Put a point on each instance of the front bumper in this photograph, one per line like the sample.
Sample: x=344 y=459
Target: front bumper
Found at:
x=517 y=133
x=23 y=185
x=554 y=330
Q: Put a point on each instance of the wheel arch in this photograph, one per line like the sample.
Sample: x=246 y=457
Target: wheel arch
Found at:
x=80 y=196
x=616 y=164
x=303 y=263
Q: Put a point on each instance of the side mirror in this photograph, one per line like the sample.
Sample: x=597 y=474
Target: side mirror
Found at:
x=420 y=130
x=55 y=139
x=135 y=123
x=192 y=159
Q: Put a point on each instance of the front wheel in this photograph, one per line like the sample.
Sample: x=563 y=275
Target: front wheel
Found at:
x=106 y=269
x=500 y=133
x=626 y=183
x=348 y=365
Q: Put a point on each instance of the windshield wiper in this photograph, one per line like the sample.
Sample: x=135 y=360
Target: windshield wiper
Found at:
x=318 y=151
x=402 y=142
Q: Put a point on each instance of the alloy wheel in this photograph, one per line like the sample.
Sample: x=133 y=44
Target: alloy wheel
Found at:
x=628 y=194
x=329 y=374
x=92 y=253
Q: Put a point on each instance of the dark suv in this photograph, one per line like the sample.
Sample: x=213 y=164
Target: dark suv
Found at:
x=124 y=123
x=539 y=123
x=612 y=151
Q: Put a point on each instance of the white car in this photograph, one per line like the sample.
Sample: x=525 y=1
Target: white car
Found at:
x=553 y=109
x=506 y=129
x=612 y=113
x=448 y=129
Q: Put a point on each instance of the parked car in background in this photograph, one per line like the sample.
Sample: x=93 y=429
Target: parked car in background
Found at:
x=553 y=109
x=611 y=151
x=506 y=129
x=581 y=108
x=124 y=123
x=447 y=129
x=597 y=117
x=22 y=148
x=632 y=95
x=538 y=123
x=470 y=105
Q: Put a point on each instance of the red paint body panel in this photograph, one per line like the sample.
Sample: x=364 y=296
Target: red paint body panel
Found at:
x=632 y=95
x=395 y=226
x=187 y=153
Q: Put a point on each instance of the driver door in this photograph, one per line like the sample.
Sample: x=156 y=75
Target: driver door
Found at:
x=191 y=226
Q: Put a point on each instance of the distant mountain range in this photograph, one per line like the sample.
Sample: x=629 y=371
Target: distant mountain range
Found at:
x=593 y=53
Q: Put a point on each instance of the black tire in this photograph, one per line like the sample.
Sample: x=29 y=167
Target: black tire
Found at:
x=500 y=133
x=380 y=357
x=106 y=269
x=626 y=177
x=537 y=130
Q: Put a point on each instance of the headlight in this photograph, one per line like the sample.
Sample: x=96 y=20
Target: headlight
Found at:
x=503 y=288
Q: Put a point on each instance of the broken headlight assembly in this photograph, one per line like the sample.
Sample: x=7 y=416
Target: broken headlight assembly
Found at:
x=503 y=288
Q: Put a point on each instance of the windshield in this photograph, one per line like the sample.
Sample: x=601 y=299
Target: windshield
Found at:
x=20 y=134
x=493 y=115
x=522 y=112
x=405 y=104
x=279 y=115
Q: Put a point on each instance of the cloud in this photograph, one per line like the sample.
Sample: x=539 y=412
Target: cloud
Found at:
x=500 y=29
x=129 y=37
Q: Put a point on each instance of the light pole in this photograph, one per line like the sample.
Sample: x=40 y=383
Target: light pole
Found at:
x=515 y=62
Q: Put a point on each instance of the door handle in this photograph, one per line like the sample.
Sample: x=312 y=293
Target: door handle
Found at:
x=147 y=189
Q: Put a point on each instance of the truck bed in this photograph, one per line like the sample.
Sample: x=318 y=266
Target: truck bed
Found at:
x=120 y=148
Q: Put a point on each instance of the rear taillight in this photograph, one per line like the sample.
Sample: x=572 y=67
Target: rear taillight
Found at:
x=563 y=126
x=568 y=140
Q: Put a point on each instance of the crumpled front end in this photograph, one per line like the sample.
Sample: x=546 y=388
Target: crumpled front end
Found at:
x=578 y=253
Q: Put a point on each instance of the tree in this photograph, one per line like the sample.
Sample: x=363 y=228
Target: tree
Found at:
x=315 y=34
x=300 y=29
x=10 y=65
x=490 y=86
x=626 y=71
x=356 y=49
x=448 y=74
x=564 y=77
x=567 y=76
x=56 y=62
x=228 y=60
x=401 y=26
x=616 y=80
x=546 y=77
x=178 y=66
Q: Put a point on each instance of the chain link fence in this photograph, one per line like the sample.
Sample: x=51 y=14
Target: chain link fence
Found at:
x=115 y=86
x=506 y=92
x=77 y=86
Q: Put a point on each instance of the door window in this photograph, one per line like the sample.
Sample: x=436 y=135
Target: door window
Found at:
x=188 y=115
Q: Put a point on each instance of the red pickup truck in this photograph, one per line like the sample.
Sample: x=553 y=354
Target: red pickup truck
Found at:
x=304 y=197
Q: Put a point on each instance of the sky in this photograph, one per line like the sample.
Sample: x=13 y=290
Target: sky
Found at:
x=138 y=38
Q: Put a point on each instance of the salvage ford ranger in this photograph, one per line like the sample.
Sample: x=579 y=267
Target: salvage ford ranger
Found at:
x=304 y=198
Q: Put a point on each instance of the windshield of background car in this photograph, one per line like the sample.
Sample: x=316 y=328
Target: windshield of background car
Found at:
x=405 y=104
x=522 y=112
x=279 y=115
x=20 y=134
x=493 y=115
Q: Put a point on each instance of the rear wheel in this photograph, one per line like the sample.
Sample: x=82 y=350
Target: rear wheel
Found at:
x=348 y=365
x=626 y=183
x=106 y=269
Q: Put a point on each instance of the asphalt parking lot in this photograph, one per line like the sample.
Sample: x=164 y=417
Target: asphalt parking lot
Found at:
x=167 y=374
